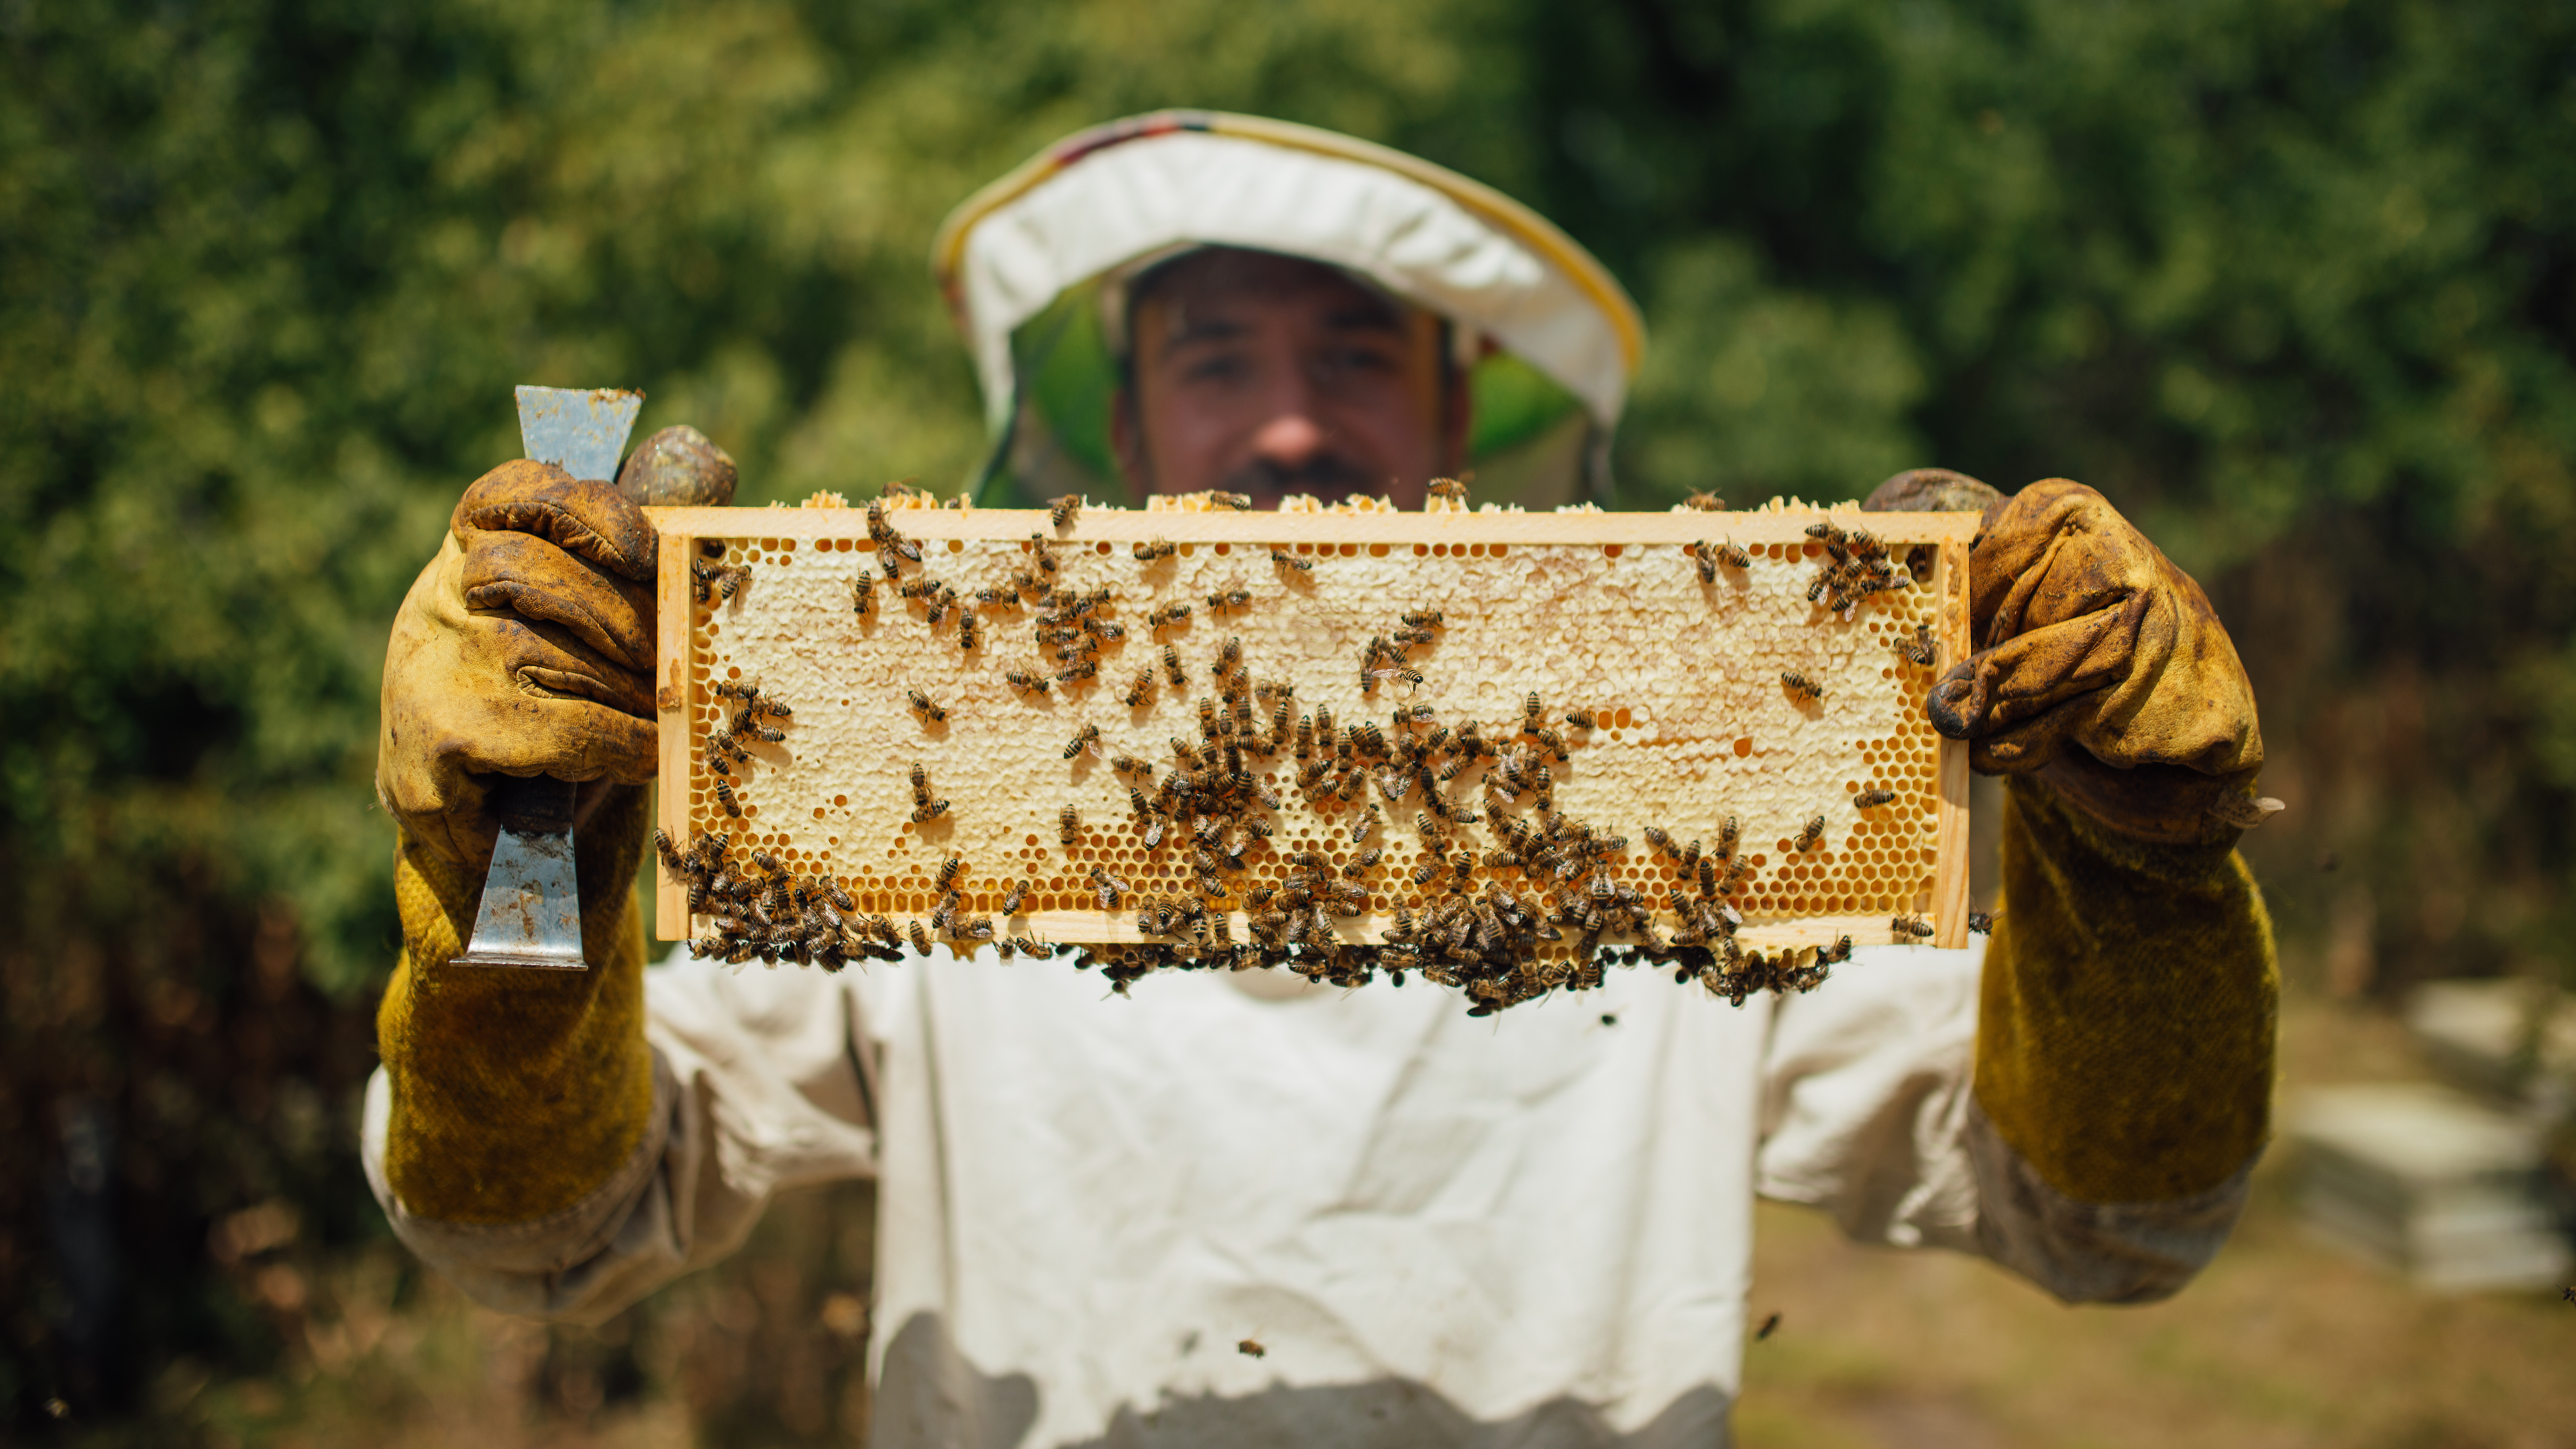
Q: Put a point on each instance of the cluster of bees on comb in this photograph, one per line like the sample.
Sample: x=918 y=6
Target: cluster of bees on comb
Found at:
x=1856 y=566
x=763 y=911
x=1538 y=905
x=725 y=748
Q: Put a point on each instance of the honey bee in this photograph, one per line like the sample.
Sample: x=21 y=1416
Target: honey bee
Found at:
x=1703 y=556
x=1659 y=839
x=925 y=707
x=1239 y=502
x=1173 y=613
x=949 y=869
x=1155 y=829
x=1919 y=649
x=1981 y=922
x=920 y=782
x=929 y=812
x=1085 y=668
x=743 y=689
x=1068 y=825
x=1172 y=669
x=920 y=937
x=1810 y=837
x=966 y=630
x=1134 y=698
x=1413 y=636
x=1088 y=735
x=1361 y=827
x=734 y=578
x=724 y=794
x=1108 y=888
x=1285 y=559
x=1800 y=687
x=1026 y=682
x=1155 y=549
x=1226 y=599
x=1705 y=502
x=1062 y=511
x=1872 y=799
x=1250 y=1348
x=1910 y=927
x=1449 y=488
x=1582 y=719
x=863 y=593
x=1532 y=709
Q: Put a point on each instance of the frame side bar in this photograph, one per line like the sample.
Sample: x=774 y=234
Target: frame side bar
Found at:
x=671 y=703
x=1950 y=824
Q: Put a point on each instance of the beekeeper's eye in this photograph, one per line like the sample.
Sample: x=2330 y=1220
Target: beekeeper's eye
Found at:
x=1224 y=365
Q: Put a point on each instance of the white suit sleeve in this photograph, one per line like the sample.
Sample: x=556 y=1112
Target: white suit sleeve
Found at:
x=1868 y=1113
x=761 y=1081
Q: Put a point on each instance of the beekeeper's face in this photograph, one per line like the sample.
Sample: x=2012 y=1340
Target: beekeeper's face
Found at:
x=1269 y=375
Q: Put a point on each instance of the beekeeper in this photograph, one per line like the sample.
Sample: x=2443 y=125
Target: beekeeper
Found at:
x=1531 y=1230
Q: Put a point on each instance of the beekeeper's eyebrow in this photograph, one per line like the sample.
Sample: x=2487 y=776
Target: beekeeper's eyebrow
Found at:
x=1184 y=329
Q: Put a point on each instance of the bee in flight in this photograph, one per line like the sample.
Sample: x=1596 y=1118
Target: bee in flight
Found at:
x=1705 y=502
x=1449 y=488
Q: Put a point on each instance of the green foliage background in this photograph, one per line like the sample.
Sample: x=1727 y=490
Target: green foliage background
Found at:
x=2293 y=282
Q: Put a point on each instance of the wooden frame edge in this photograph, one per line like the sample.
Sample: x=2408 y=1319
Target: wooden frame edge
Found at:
x=1950 y=821
x=1134 y=526
x=671 y=716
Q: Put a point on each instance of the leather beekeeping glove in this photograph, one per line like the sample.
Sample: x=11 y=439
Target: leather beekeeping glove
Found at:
x=2100 y=668
x=525 y=648
x=2126 y=1019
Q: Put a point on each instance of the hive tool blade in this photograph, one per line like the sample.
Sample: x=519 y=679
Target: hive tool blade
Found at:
x=531 y=910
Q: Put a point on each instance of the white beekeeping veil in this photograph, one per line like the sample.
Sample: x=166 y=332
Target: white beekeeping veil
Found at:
x=1035 y=269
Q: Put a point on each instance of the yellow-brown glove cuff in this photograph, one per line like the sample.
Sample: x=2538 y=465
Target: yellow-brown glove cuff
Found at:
x=516 y=1092
x=2125 y=1031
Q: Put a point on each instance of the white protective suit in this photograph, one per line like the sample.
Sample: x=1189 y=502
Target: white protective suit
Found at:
x=1532 y=1229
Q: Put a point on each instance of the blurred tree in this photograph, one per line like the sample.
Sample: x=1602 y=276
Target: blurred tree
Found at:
x=2295 y=283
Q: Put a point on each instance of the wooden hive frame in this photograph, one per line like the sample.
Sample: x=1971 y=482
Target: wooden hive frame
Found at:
x=1600 y=609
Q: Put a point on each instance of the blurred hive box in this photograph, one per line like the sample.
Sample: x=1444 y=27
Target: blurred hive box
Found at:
x=2430 y=1181
x=2513 y=1040
x=1679 y=666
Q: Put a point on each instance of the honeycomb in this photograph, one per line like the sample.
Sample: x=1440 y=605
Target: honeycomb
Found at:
x=1590 y=612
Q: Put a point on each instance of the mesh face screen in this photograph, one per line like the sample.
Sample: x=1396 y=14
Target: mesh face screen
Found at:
x=1660 y=693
